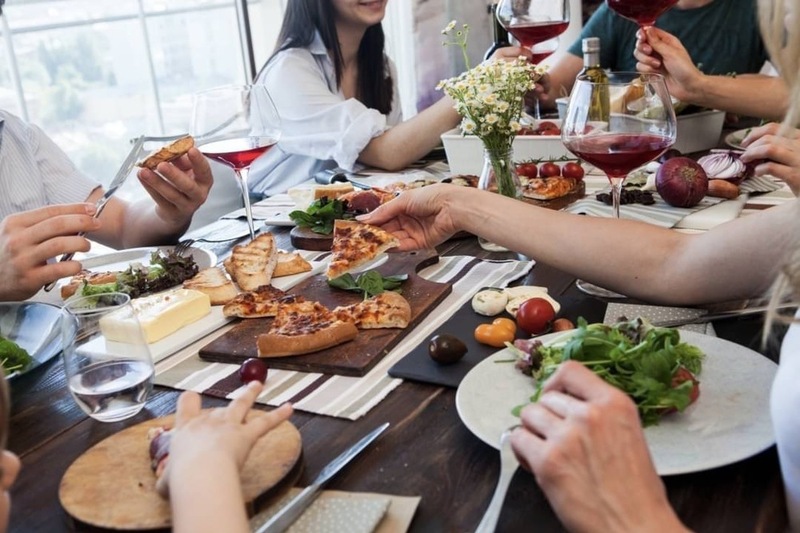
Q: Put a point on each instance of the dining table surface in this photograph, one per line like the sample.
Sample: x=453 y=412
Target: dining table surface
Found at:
x=427 y=451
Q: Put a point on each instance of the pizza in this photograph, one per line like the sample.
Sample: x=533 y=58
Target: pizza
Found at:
x=304 y=327
x=356 y=244
x=386 y=310
x=290 y=263
x=549 y=188
x=262 y=302
x=160 y=439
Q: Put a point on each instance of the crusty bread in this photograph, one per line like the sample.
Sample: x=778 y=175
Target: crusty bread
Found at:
x=278 y=345
x=92 y=278
x=333 y=190
x=388 y=309
x=173 y=150
x=214 y=283
x=253 y=264
x=290 y=263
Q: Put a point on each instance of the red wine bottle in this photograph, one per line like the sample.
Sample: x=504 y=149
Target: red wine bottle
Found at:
x=499 y=33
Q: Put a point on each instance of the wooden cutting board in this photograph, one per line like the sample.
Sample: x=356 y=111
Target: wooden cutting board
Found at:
x=354 y=358
x=112 y=485
x=305 y=239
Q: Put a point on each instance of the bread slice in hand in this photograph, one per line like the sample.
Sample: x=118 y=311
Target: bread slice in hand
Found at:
x=253 y=264
x=173 y=150
x=213 y=282
x=290 y=263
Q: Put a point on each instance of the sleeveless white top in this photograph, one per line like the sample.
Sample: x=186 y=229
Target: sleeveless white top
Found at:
x=785 y=407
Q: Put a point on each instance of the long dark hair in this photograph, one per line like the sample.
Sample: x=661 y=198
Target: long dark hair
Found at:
x=304 y=17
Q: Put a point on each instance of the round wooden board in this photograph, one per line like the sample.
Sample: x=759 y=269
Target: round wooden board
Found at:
x=112 y=485
x=305 y=239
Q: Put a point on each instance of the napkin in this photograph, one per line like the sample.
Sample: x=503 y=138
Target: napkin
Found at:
x=715 y=215
x=347 y=512
x=656 y=313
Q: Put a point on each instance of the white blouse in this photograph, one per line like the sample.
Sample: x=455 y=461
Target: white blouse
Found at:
x=785 y=406
x=34 y=172
x=321 y=129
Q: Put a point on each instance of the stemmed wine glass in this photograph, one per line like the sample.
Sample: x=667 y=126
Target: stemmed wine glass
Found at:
x=532 y=22
x=235 y=125
x=641 y=125
x=643 y=12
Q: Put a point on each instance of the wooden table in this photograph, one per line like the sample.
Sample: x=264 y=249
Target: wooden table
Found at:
x=427 y=451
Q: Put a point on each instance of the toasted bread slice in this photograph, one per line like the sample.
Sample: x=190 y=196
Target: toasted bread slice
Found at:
x=290 y=263
x=92 y=278
x=253 y=264
x=214 y=283
x=173 y=150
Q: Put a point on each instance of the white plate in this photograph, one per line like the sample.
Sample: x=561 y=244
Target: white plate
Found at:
x=729 y=422
x=280 y=218
x=122 y=259
x=735 y=138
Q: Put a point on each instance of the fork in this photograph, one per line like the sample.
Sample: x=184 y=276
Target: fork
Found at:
x=508 y=465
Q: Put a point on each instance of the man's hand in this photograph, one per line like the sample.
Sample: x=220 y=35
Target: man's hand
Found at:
x=30 y=238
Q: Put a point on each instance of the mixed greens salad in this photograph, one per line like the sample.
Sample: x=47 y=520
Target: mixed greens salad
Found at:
x=12 y=357
x=649 y=363
x=320 y=215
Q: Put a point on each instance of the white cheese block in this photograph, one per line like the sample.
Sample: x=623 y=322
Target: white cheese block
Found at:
x=159 y=315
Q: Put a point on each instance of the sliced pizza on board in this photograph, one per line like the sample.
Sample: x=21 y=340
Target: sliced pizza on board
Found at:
x=385 y=310
x=356 y=244
x=304 y=327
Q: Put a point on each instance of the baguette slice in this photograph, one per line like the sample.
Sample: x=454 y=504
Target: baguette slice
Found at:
x=173 y=150
x=214 y=283
x=290 y=264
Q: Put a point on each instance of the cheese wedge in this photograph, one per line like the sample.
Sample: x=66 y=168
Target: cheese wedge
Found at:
x=159 y=315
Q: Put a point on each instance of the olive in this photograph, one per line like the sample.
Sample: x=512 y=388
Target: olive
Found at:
x=446 y=349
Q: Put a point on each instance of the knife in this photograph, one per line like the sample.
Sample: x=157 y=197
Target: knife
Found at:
x=286 y=516
x=710 y=317
x=337 y=175
x=116 y=183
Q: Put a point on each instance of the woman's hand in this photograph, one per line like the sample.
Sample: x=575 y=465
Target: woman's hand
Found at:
x=662 y=53
x=179 y=188
x=774 y=154
x=204 y=441
x=584 y=443
x=420 y=218
x=29 y=239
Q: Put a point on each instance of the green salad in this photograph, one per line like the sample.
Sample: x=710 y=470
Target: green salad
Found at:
x=12 y=357
x=649 y=363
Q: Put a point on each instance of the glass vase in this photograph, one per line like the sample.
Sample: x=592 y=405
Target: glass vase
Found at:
x=500 y=176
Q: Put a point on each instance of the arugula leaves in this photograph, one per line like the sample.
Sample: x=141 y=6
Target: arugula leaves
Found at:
x=320 y=215
x=637 y=358
x=371 y=283
x=13 y=357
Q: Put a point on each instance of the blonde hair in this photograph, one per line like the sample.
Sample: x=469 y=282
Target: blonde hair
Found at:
x=781 y=36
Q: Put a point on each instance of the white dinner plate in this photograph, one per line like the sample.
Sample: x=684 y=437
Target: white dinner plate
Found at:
x=729 y=422
x=122 y=259
x=735 y=138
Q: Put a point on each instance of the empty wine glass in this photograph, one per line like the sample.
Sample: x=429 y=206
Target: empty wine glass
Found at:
x=235 y=125
x=108 y=365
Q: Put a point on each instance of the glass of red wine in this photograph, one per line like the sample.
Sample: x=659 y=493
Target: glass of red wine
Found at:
x=640 y=127
x=234 y=125
x=643 y=12
x=532 y=23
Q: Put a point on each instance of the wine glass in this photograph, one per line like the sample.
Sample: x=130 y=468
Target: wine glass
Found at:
x=640 y=127
x=643 y=12
x=532 y=22
x=235 y=125
x=107 y=364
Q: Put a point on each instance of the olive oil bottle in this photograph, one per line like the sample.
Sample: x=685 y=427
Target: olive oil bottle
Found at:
x=592 y=71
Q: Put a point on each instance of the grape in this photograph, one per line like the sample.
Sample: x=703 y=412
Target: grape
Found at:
x=253 y=370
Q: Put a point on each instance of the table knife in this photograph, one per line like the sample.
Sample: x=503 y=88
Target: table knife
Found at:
x=338 y=175
x=116 y=183
x=292 y=511
x=711 y=317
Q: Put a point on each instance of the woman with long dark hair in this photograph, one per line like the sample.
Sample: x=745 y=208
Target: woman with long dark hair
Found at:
x=336 y=92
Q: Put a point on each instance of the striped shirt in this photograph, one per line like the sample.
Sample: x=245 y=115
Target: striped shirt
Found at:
x=34 y=172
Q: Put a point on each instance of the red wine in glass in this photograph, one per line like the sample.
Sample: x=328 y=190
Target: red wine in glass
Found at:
x=237 y=153
x=530 y=34
x=643 y=12
x=617 y=154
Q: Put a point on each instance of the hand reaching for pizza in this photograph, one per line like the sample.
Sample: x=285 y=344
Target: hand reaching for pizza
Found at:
x=419 y=218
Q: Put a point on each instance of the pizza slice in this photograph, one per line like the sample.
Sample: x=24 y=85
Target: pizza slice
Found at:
x=260 y=303
x=304 y=327
x=356 y=244
x=290 y=263
x=386 y=310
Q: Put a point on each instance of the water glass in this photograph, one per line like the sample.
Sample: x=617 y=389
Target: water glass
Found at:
x=108 y=365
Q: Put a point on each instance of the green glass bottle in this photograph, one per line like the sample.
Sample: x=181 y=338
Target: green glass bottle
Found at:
x=592 y=71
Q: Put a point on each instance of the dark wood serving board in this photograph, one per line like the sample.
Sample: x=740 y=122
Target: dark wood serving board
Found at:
x=305 y=239
x=354 y=358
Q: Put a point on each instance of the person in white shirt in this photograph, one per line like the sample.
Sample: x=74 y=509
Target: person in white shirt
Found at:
x=45 y=202
x=336 y=92
x=583 y=437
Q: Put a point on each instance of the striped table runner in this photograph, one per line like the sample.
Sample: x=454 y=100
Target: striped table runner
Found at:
x=342 y=396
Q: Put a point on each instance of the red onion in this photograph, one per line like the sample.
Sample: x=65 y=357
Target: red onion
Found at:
x=681 y=182
x=724 y=165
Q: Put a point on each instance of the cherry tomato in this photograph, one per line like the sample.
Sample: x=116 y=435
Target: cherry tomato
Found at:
x=562 y=324
x=528 y=170
x=534 y=315
x=493 y=335
x=572 y=170
x=682 y=375
x=253 y=369
x=506 y=323
x=549 y=170
x=548 y=128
